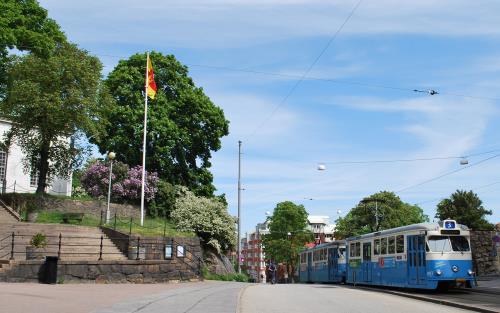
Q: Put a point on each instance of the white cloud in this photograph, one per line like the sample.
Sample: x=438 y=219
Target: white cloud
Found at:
x=219 y=24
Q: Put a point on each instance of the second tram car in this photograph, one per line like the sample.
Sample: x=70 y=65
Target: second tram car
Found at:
x=325 y=263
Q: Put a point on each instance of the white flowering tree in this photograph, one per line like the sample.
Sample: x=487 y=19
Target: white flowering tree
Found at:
x=207 y=217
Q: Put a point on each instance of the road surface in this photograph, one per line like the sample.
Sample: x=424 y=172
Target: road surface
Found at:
x=217 y=297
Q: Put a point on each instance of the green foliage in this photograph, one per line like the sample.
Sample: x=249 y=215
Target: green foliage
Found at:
x=25 y=25
x=38 y=240
x=207 y=217
x=224 y=277
x=48 y=101
x=392 y=212
x=466 y=208
x=184 y=126
x=164 y=200
x=287 y=233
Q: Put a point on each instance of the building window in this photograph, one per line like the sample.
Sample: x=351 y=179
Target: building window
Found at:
x=3 y=164
x=34 y=179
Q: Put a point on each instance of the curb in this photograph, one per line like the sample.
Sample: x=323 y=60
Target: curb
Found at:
x=240 y=296
x=432 y=300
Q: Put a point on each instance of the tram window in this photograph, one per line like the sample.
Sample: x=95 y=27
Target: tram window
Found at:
x=358 y=248
x=383 y=246
x=351 y=250
x=400 y=243
x=459 y=243
x=376 y=247
x=392 y=245
x=439 y=244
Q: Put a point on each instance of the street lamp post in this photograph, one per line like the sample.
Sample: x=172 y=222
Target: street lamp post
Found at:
x=111 y=157
x=365 y=201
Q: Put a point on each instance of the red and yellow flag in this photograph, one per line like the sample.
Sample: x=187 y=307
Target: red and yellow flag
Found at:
x=150 y=80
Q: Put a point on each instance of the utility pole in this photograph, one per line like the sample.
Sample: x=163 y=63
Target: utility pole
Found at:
x=239 y=206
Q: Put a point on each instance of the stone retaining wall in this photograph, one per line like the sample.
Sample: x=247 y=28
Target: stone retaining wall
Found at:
x=485 y=253
x=143 y=271
x=19 y=201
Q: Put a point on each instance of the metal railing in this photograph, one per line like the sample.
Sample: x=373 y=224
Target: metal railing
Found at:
x=13 y=246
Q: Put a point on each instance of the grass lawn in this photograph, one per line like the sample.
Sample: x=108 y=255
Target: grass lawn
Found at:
x=152 y=226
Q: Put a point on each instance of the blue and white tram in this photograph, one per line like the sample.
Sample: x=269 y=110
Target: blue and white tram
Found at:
x=426 y=256
x=324 y=263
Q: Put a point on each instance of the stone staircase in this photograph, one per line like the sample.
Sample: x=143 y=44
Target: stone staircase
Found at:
x=78 y=243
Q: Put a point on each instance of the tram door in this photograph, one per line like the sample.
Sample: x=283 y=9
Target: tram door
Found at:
x=416 y=259
x=367 y=262
x=309 y=266
x=333 y=264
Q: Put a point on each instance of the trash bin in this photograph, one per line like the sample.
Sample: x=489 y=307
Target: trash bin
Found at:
x=50 y=273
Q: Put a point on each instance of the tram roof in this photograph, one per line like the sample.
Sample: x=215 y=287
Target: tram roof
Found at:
x=420 y=226
x=327 y=244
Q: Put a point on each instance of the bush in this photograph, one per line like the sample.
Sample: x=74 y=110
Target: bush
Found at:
x=207 y=217
x=224 y=277
x=126 y=183
x=38 y=240
x=164 y=200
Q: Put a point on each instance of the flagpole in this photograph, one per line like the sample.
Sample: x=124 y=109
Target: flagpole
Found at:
x=144 y=141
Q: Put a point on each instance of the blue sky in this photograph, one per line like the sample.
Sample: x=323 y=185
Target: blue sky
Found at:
x=387 y=49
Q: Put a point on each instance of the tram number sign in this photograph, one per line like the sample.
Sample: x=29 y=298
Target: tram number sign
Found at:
x=449 y=224
x=387 y=262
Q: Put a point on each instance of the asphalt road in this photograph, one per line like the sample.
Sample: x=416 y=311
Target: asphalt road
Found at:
x=300 y=298
x=222 y=297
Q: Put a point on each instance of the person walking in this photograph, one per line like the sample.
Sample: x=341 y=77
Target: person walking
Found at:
x=272 y=271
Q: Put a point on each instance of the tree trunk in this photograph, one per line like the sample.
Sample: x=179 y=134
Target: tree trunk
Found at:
x=43 y=168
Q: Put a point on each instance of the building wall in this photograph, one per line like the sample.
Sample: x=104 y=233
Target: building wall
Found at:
x=18 y=181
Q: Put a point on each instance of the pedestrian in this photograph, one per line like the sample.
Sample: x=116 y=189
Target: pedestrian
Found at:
x=272 y=270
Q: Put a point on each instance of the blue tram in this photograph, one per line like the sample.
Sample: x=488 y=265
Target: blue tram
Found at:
x=325 y=263
x=423 y=256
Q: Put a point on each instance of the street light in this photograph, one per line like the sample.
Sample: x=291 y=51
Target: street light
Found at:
x=111 y=157
x=321 y=167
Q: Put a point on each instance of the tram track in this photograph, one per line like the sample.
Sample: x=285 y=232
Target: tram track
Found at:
x=477 y=301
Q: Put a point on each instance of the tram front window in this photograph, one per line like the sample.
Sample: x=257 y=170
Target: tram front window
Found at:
x=448 y=243
x=459 y=243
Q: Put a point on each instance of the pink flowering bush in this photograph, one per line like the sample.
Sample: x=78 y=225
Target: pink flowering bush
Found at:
x=126 y=183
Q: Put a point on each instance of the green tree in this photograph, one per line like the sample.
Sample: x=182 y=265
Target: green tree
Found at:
x=48 y=101
x=287 y=234
x=466 y=208
x=392 y=212
x=25 y=25
x=184 y=126
x=207 y=217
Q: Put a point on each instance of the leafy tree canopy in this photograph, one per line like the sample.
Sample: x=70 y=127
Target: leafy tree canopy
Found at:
x=466 y=208
x=184 y=126
x=207 y=217
x=48 y=101
x=287 y=233
x=25 y=25
x=392 y=212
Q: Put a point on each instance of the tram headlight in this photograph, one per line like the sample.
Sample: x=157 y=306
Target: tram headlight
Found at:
x=470 y=272
x=454 y=268
x=438 y=272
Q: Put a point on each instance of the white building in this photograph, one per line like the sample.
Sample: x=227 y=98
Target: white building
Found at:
x=321 y=227
x=13 y=177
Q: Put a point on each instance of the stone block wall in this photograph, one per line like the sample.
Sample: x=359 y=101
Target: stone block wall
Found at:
x=485 y=252
x=142 y=271
x=19 y=202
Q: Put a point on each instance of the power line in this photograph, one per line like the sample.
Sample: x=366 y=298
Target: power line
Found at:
x=447 y=174
x=298 y=82
x=411 y=160
x=303 y=77
x=441 y=198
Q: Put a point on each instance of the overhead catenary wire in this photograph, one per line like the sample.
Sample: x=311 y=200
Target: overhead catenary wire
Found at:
x=412 y=159
x=304 y=75
x=476 y=188
x=447 y=174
